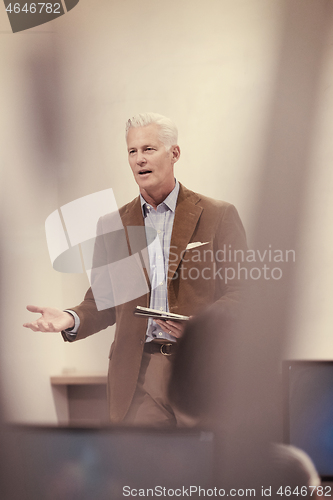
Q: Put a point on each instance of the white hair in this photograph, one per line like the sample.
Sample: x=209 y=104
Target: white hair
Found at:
x=168 y=133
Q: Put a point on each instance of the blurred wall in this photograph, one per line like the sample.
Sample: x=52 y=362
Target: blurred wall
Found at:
x=67 y=89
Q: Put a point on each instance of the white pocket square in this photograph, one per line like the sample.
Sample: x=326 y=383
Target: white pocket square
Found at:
x=195 y=244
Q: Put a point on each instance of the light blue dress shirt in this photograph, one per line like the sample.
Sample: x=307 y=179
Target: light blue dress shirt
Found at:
x=161 y=220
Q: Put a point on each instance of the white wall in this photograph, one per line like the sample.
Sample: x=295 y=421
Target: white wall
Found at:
x=68 y=88
x=312 y=322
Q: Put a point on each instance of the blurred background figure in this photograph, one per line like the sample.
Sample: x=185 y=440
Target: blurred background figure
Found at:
x=199 y=386
x=199 y=378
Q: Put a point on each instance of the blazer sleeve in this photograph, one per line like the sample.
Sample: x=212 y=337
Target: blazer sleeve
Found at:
x=93 y=319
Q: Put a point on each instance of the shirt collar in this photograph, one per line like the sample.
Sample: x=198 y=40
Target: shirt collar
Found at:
x=170 y=201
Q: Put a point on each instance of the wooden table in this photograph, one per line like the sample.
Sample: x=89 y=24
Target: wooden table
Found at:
x=80 y=398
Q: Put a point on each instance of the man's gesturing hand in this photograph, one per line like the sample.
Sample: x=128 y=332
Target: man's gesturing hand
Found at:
x=51 y=320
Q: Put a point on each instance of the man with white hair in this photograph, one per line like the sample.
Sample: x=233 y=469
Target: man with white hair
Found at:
x=193 y=269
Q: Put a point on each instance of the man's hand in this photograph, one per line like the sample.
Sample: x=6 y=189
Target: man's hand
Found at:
x=51 y=320
x=174 y=328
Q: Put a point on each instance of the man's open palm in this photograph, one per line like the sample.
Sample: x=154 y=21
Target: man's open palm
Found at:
x=51 y=320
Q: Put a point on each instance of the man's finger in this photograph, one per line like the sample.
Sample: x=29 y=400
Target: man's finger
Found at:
x=175 y=324
x=168 y=327
x=35 y=309
x=32 y=327
x=176 y=327
x=162 y=324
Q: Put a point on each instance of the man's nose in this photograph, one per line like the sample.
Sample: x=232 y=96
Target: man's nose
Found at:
x=140 y=158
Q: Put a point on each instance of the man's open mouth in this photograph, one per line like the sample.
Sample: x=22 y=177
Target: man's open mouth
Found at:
x=143 y=172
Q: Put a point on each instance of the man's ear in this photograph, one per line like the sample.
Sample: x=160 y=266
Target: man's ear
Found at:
x=175 y=153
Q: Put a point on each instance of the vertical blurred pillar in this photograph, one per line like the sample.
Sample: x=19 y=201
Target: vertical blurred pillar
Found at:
x=45 y=93
x=41 y=142
x=253 y=413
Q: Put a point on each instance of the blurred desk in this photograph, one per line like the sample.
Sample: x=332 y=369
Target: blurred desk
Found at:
x=81 y=398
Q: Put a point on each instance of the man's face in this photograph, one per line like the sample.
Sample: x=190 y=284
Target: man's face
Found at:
x=151 y=164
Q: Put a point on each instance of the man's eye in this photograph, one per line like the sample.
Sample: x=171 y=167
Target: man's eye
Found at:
x=149 y=149
x=131 y=151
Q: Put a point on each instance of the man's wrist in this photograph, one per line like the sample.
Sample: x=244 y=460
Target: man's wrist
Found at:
x=73 y=330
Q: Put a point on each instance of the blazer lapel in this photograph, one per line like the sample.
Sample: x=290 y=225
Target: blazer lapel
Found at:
x=187 y=215
x=133 y=215
x=136 y=235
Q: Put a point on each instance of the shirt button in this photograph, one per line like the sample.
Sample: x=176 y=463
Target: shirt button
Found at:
x=159 y=231
x=160 y=334
x=161 y=308
x=159 y=257
x=162 y=282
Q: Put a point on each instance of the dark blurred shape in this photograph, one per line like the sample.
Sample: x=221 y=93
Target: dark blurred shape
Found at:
x=44 y=93
x=199 y=387
x=293 y=474
x=308 y=400
x=83 y=464
x=198 y=380
x=70 y=4
x=34 y=13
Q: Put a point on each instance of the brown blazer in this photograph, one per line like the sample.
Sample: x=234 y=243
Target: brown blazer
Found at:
x=196 y=279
